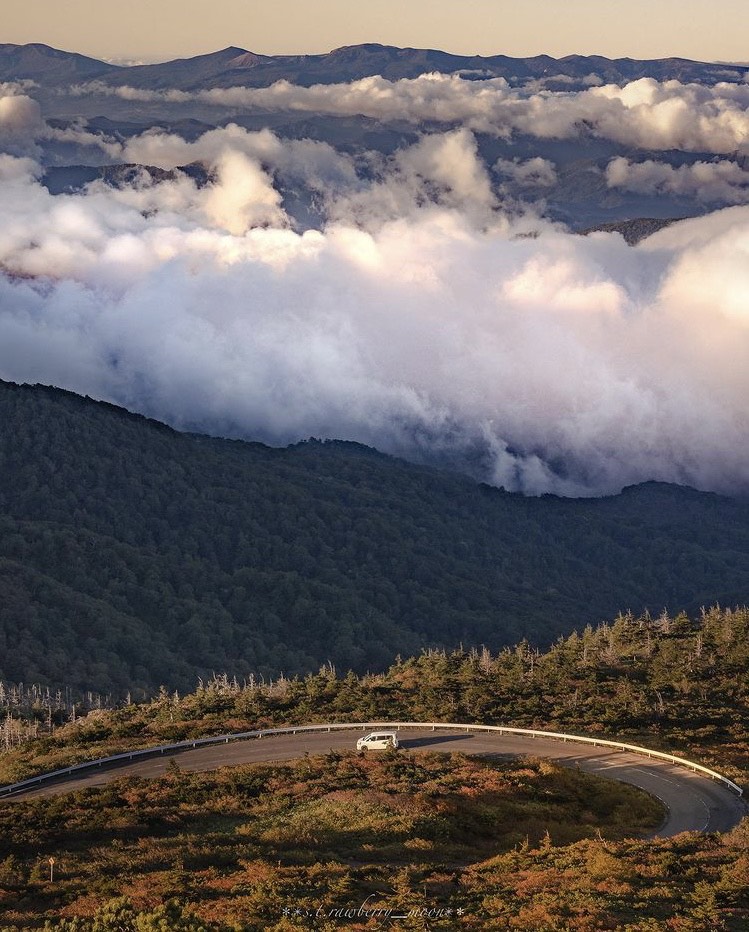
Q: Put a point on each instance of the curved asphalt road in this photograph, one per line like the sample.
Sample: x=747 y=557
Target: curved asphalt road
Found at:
x=693 y=802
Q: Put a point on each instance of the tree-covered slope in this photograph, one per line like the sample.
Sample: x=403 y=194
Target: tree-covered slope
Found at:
x=132 y=555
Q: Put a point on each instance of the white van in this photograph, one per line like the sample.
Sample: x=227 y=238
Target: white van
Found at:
x=377 y=741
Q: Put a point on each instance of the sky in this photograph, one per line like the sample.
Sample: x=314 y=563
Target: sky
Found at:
x=698 y=29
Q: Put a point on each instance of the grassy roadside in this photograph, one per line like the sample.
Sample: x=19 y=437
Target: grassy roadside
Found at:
x=241 y=844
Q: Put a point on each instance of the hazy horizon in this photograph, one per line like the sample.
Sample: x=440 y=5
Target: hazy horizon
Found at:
x=128 y=61
x=691 y=29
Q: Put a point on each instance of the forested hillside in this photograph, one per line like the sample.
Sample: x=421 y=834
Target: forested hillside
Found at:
x=132 y=555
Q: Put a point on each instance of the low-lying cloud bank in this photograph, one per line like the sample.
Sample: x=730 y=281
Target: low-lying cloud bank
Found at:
x=721 y=181
x=422 y=318
x=646 y=113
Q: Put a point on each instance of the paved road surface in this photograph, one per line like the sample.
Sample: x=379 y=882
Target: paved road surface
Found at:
x=693 y=802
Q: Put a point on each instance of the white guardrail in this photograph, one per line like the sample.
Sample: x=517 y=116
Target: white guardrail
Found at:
x=32 y=782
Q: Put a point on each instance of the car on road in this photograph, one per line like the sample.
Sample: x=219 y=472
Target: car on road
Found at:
x=377 y=741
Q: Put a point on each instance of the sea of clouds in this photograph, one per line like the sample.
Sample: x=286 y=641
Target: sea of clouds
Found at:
x=645 y=113
x=431 y=314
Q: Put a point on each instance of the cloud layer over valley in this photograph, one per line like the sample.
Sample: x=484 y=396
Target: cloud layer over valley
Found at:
x=645 y=113
x=424 y=306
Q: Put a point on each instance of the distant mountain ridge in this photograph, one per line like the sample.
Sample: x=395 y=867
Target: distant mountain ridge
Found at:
x=634 y=230
x=237 y=66
x=45 y=65
x=73 y=178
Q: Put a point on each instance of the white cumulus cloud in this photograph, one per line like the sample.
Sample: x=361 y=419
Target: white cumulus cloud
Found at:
x=722 y=181
x=645 y=113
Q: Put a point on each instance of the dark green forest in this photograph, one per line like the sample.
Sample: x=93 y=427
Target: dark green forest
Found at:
x=133 y=555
